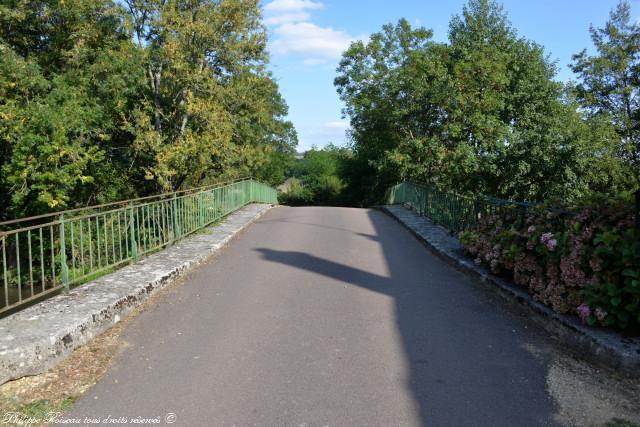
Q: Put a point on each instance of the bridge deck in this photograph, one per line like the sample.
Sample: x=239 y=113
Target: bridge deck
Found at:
x=328 y=316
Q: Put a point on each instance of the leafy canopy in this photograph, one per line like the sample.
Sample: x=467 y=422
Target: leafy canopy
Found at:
x=103 y=100
x=479 y=114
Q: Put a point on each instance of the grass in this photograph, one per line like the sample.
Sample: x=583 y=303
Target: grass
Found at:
x=617 y=422
x=41 y=409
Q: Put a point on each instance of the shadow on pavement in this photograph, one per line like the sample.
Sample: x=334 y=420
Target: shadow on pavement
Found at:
x=468 y=358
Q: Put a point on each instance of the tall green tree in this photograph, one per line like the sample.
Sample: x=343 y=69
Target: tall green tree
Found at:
x=378 y=102
x=103 y=100
x=210 y=108
x=65 y=92
x=609 y=82
x=264 y=140
x=509 y=123
x=481 y=113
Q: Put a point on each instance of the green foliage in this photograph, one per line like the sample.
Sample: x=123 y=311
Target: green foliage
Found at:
x=586 y=264
x=610 y=81
x=103 y=100
x=481 y=114
x=65 y=88
x=616 y=257
x=296 y=194
x=379 y=98
x=318 y=178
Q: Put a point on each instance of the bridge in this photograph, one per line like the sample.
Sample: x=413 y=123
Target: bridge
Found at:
x=328 y=316
x=311 y=316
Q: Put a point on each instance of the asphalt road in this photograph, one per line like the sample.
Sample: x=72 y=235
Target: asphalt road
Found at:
x=327 y=317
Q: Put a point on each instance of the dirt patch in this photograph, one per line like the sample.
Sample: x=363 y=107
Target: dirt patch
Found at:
x=587 y=396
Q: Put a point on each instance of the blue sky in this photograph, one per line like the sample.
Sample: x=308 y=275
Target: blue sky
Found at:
x=306 y=38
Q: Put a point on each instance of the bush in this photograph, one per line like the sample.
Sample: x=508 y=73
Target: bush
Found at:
x=587 y=264
x=328 y=189
x=296 y=195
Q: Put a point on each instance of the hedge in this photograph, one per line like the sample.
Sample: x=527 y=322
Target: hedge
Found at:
x=587 y=263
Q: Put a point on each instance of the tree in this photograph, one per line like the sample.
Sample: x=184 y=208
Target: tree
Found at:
x=210 y=107
x=65 y=92
x=509 y=122
x=264 y=139
x=480 y=114
x=103 y=100
x=376 y=101
x=318 y=177
x=609 y=86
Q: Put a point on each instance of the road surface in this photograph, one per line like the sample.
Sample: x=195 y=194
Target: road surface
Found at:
x=327 y=317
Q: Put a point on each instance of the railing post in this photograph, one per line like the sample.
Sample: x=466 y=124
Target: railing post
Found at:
x=454 y=218
x=64 y=272
x=476 y=211
x=176 y=227
x=5 y=268
x=132 y=233
x=201 y=210
x=637 y=209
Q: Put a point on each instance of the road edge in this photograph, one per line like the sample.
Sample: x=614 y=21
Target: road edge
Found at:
x=38 y=337
x=604 y=348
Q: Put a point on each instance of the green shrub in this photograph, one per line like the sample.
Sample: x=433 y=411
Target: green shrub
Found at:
x=296 y=195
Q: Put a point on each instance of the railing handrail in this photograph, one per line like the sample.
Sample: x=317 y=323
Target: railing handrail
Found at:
x=435 y=187
x=68 y=248
x=455 y=211
x=490 y=199
x=119 y=202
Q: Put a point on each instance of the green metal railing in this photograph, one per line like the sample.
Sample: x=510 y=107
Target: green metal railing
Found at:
x=43 y=254
x=453 y=211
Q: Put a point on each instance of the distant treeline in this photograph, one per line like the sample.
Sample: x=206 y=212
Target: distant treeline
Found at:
x=319 y=178
x=103 y=100
x=482 y=113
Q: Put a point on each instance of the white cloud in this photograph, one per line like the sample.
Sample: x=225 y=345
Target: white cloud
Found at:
x=338 y=124
x=293 y=33
x=315 y=44
x=292 y=5
x=287 y=18
x=279 y=12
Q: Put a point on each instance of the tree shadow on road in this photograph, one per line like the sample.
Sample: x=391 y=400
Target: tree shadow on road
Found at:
x=467 y=357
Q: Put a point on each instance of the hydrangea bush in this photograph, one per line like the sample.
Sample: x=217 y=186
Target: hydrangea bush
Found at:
x=587 y=264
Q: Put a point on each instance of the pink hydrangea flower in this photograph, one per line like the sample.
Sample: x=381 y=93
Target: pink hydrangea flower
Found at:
x=548 y=240
x=600 y=314
x=583 y=311
x=551 y=244
x=531 y=229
